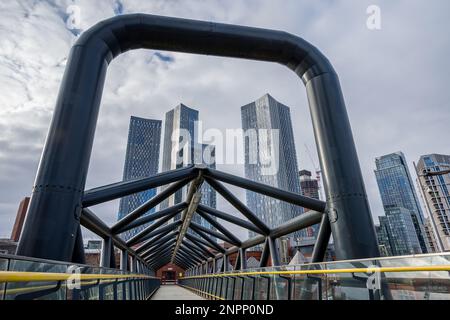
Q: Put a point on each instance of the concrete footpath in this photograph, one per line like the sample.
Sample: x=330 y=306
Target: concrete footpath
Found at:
x=174 y=292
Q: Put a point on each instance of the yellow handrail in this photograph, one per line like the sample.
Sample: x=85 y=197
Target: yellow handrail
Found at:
x=20 y=276
x=327 y=271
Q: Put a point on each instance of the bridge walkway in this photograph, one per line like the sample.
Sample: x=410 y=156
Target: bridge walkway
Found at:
x=174 y=292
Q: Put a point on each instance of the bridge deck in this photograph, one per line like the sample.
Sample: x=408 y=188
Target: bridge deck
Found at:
x=174 y=292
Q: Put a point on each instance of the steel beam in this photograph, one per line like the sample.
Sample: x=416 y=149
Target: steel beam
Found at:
x=198 y=247
x=157 y=234
x=275 y=257
x=124 y=188
x=302 y=221
x=231 y=198
x=157 y=249
x=211 y=242
x=192 y=252
x=90 y=221
x=154 y=226
x=323 y=238
x=200 y=241
x=232 y=238
x=154 y=216
x=264 y=255
x=123 y=260
x=213 y=233
x=193 y=198
x=267 y=190
x=146 y=206
x=229 y=218
x=78 y=251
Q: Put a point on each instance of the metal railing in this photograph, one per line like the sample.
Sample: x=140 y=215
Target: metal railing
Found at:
x=23 y=278
x=422 y=277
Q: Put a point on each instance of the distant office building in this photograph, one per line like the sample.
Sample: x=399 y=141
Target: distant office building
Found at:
x=434 y=178
x=396 y=233
x=261 y=117
x=20 y=218
x=141 y=160
x=184 y=150
x=382 y=231
x=309 y=188
x=397 y=190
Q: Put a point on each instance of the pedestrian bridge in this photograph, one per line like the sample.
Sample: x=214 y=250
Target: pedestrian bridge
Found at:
x=421 y=277
x=50 y=261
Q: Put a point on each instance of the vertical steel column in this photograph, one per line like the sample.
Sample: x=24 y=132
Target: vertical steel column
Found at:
x=274 y=252
x=124 y=260
x=106 y=260
x=347 y=205
x=78 y=251
x=242 y=254
x=323 y=238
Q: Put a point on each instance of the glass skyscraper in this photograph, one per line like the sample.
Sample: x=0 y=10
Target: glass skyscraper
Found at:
x=264 y=115
x=396 y=233
x=181 y=149
x=141 y=160
x=433 y=171
x=397 y=190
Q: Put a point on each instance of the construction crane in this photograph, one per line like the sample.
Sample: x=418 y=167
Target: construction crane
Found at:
x=318 y=171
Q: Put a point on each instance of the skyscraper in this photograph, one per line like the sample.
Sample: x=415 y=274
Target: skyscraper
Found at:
x=267 y=127
x=433 y=171
x=397 y=190
x=309 y=188
x=396 y=233
x=182 y=149
x=141 y=160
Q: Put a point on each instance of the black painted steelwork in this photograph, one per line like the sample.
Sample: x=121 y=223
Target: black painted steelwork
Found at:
x=59 y=203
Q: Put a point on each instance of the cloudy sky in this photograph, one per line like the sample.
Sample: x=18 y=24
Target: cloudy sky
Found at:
x=395 y=81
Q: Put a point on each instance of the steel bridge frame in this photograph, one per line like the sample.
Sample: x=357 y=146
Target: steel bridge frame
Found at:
x=60 y=205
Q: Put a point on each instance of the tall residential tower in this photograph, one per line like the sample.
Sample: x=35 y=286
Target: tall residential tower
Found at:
x=433 y=171
x=270 y=158
x=141 y=160
x=181 y=149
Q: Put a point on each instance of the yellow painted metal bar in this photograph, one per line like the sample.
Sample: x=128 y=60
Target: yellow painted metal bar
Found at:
x=328 y=271
x=17 y=276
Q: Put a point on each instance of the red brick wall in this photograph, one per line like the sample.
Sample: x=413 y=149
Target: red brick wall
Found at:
x=170 y=267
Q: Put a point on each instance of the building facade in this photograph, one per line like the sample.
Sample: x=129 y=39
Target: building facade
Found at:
x=141 y=160
x=431 y=236
x=266 y=123
x=397 y=190
x=309 y=188
x=396 y=233
x=181 y=149
x=433 y=173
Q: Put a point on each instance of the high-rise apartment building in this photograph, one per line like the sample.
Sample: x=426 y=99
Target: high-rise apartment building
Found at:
x=181 y=149
x=141 y=160
x=397 y=190
x=431 y=236
x=270 y=158
x=396 y=233
x=433 y=173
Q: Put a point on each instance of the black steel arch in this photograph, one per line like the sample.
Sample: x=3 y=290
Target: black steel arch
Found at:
x=53 y=217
